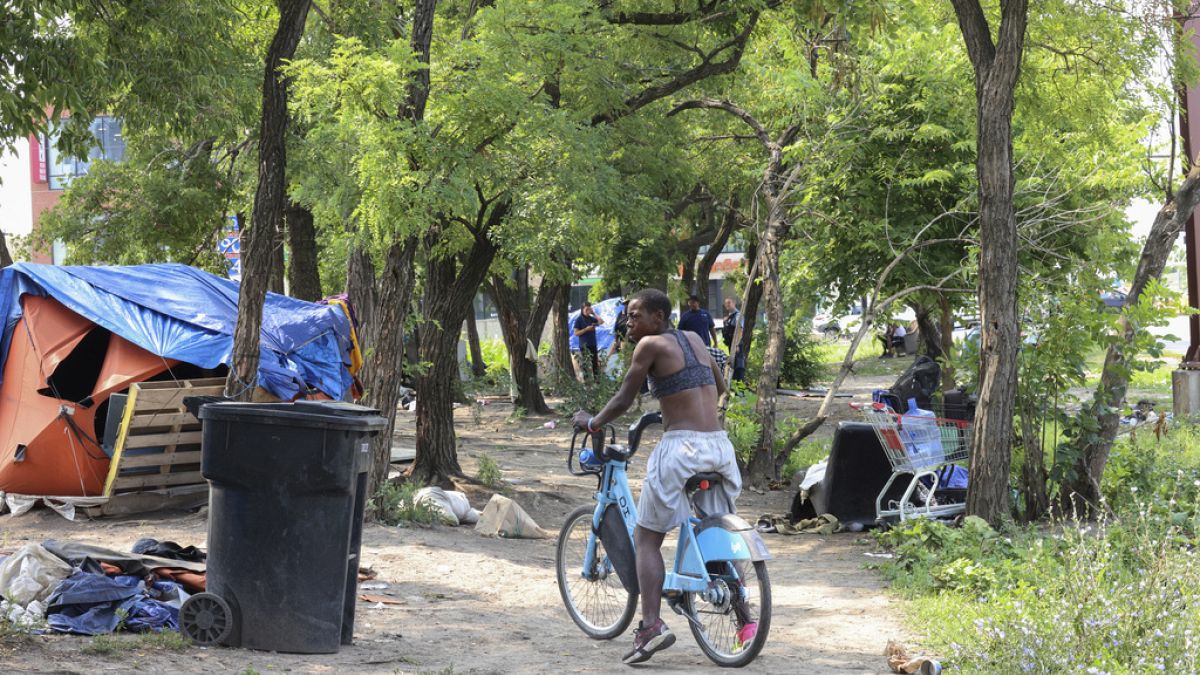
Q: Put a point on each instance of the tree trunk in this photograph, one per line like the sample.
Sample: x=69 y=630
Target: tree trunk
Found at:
x=382 y=372
x=360 y=288
x=449 y=291
x=478 y=367
x=1033 y=469
x=688 y=281
x=1083 y=491
x=750 y=311
x=277 y=258
x=522 y=325
x=996 y=69
x=930 y=333
x=704 y=267
x=304 y=277
x=761 y=468
x=946 y=318
x=5 y=256
x=269 y=200
x=988 y=497
x=560 y=338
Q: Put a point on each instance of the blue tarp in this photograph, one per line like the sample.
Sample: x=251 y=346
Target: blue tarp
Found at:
x=182 y=313
x=606 y=310
x=93 y=604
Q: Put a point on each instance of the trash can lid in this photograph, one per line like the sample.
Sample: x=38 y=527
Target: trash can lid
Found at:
x=325 y=414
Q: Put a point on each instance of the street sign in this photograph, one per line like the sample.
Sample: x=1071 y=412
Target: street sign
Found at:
x=230 y=246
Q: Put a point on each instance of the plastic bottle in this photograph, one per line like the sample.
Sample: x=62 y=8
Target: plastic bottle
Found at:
x=921 y=435
x=588 y=460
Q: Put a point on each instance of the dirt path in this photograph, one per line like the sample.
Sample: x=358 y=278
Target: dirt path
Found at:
x=473 y=604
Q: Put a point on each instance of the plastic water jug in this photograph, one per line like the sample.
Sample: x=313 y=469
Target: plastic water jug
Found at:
x=921 y=435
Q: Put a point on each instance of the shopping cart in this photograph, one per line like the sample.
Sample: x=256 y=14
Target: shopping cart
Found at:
x=920 y=458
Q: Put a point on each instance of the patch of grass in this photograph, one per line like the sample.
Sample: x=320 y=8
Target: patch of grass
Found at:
x=394 y=504
x=808 y=452
x=107 y=645
x=489 y=472
x=1157 y=380
x=13 y=634
x=1118 y=595
x=576 y=395
x=169 y=640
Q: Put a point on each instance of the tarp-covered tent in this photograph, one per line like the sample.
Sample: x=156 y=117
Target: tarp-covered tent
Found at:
x=75 y=335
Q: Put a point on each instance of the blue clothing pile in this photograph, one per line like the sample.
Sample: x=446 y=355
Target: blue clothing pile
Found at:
x=93 y=604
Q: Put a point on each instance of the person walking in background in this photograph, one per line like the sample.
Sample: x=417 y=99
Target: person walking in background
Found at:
x=620 y=330
x=585 y=330
x=733 y=319
x=698 y=321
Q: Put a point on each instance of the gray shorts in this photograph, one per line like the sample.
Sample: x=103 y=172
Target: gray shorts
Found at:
x=680 y=455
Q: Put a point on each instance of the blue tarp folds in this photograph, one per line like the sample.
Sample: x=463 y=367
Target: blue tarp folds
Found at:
x=182 y=313
x=606 y=310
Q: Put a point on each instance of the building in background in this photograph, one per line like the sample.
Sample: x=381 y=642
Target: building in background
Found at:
x=34 y=174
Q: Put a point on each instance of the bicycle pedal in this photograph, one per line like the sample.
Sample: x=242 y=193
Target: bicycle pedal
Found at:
x=674 y=605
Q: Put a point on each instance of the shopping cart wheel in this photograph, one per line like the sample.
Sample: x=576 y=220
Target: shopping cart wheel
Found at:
x=206 y=619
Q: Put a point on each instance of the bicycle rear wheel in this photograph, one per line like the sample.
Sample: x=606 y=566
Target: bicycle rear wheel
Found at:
x=595 y=598
x=723 y=613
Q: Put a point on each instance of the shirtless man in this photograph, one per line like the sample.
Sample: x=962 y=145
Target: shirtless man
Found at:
x=685 y=380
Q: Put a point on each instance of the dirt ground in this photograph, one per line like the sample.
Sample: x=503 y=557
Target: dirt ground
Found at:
x=472 y=604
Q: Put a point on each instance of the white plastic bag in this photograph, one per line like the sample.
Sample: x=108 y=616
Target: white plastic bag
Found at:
x=31 y=574
x=452 y=505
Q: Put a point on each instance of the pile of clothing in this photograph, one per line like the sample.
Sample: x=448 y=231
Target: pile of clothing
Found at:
x=69 y=587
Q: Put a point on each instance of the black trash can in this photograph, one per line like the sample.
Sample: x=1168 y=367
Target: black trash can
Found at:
x=288 y=491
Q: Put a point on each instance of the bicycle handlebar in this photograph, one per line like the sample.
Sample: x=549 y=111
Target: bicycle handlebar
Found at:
x=636 y=429
x=635 y=438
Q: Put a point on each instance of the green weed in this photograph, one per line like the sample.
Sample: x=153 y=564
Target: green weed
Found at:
x=489 y=472
x=169 y=640
x=576 y=395
x=107 y=645
x=394 y=504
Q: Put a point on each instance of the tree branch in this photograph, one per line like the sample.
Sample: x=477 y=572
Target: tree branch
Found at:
x=705 y=69
x=760 y=132
x=976 y=33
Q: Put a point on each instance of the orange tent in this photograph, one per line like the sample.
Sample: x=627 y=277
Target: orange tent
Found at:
x=71 y=337
x=60 y=371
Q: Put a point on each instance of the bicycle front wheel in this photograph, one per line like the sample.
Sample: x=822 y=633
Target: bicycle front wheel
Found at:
x=734 y=616
x=594 y=597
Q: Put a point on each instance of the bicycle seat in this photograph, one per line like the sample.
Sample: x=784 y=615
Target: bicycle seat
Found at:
x=696 y=482
x=619 y=453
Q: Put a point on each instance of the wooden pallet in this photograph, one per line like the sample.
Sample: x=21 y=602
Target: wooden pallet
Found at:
x=158 y=443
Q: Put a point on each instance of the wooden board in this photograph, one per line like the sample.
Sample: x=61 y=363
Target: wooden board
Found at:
x=185 y=497
x=155 y=417
x=170 y=439
x=138 y=461
x=157 y=479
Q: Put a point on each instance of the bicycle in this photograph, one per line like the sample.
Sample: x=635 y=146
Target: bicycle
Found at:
x=719 y=580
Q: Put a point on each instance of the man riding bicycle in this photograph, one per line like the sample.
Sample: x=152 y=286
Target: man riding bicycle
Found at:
x=686 y=381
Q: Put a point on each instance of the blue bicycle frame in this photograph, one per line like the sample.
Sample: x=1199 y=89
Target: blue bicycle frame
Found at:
x=714 y=538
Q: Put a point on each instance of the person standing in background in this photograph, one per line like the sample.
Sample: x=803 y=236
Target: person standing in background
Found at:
x=698 y=321
x=585 y=330
x=733 y=319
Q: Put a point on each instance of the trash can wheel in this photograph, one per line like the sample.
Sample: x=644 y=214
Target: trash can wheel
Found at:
x=206 y=619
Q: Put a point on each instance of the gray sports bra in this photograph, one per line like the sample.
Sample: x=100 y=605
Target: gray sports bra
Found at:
x=693 y=374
